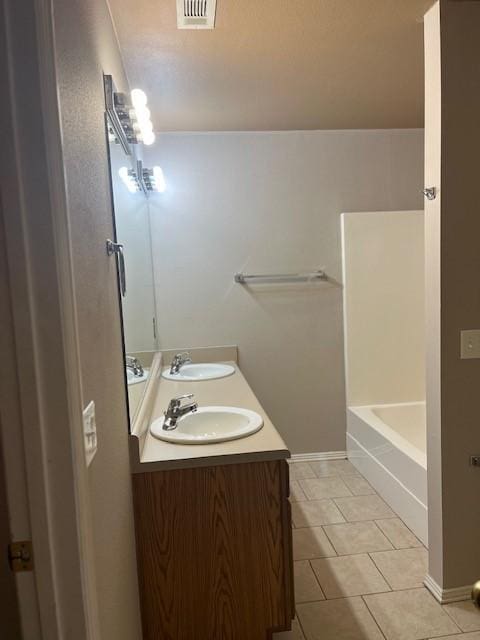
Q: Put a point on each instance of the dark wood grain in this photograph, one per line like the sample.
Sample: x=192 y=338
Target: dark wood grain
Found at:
x=214 y=552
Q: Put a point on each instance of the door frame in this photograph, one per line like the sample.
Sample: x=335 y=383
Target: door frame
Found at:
x=45 y=420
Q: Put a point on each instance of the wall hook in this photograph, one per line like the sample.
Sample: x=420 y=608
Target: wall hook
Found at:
x=430 y=193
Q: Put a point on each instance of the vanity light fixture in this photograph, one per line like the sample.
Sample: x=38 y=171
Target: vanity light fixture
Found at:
x=153 y=179
x=128 y=116
x=119 y=122
x=143 y=179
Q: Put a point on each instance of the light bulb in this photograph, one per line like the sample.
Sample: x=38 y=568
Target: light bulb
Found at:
x=139 y=98
x=142 y=114
x=148 y=137
x=146 y=126
x=159 y=178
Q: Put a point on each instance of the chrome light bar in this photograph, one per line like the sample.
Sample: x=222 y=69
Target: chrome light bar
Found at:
x=120 y=123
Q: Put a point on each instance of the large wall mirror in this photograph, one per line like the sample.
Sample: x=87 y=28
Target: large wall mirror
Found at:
x=132 y=245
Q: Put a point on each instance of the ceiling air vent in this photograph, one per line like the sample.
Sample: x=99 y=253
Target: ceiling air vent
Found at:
x=196 y=14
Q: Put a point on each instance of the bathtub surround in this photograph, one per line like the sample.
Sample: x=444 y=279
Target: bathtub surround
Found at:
x=384 y=306
x=270 y=202
x=384 y=300
x=452 y=133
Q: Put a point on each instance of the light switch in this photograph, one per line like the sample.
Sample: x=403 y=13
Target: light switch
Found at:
x=89 y=432
x=470 y=344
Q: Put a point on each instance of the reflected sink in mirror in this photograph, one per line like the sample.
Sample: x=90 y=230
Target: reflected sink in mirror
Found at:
x=209 y=425
x=198 y=372
x=133 y=379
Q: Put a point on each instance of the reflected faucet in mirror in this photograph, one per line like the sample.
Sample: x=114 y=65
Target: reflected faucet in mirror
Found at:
x=134 y=365
x=178 y=361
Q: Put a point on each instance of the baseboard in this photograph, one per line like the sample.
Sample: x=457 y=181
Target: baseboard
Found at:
x=444 y=596
x=320 y=455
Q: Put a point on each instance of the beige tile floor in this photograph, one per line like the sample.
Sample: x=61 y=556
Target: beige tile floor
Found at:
x=358 y=569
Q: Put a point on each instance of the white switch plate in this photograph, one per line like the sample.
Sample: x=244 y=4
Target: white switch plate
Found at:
x=89 y=432
x=470 y=344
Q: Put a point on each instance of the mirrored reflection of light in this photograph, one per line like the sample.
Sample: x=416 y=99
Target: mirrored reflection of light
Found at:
x=160 y=184
x=128 y=180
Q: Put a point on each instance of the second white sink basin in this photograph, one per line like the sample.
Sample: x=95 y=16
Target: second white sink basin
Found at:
x=203 y=371
x=210 y=424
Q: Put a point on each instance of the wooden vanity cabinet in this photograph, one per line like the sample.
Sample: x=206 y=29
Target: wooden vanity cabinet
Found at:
x=214 y=551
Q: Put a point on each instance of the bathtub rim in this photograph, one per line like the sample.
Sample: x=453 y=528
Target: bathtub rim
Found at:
x=365 y=412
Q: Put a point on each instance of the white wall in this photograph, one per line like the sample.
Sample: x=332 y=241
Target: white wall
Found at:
x=384 y=298
x=86 y=47
x=453 y=300
x=271 y=202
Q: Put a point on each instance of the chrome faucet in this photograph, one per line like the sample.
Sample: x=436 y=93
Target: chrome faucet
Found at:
x=176 y=410
x=178 y=361
x=135 y=365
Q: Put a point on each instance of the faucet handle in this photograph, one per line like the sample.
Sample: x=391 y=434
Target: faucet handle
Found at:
x=186 y=396
x=176 y=402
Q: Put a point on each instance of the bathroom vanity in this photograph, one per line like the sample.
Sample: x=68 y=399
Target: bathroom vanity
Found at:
x=213 y=524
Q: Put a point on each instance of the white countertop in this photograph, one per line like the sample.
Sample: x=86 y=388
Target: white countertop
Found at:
x=233 y=390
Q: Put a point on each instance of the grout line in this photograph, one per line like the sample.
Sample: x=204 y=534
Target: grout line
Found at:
x=373 y=617
x=385 y=534
x=420 y=546
x=394 y=548
x=330 y=540
x=450 y=616
x=336 y=477
x=311 y=601
x=299 y=622
x=359 y=595
x=380 y=571
x=316 y=526
x=316 y=578
x=342 y=555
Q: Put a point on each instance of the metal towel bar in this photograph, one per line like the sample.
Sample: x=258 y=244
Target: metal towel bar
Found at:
x=244 y=278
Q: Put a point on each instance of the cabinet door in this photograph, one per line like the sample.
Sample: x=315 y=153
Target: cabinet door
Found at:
x=214 y=552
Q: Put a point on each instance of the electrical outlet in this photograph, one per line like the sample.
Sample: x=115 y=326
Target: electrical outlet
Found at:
x=89 y=432
x=470 y=344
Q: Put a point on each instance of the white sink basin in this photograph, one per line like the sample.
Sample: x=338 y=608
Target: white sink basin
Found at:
x=210 y=424
x=133 y=379
x=198 y=372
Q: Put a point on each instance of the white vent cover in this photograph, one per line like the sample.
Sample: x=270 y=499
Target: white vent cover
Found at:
x=196 y=14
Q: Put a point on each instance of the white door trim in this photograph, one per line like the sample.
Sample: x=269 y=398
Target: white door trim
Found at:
x=44 y=319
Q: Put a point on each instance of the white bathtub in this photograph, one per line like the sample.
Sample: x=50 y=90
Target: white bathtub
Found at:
x=387 y=444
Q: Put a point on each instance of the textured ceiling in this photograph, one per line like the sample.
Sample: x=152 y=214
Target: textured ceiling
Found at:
x=278 y=64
